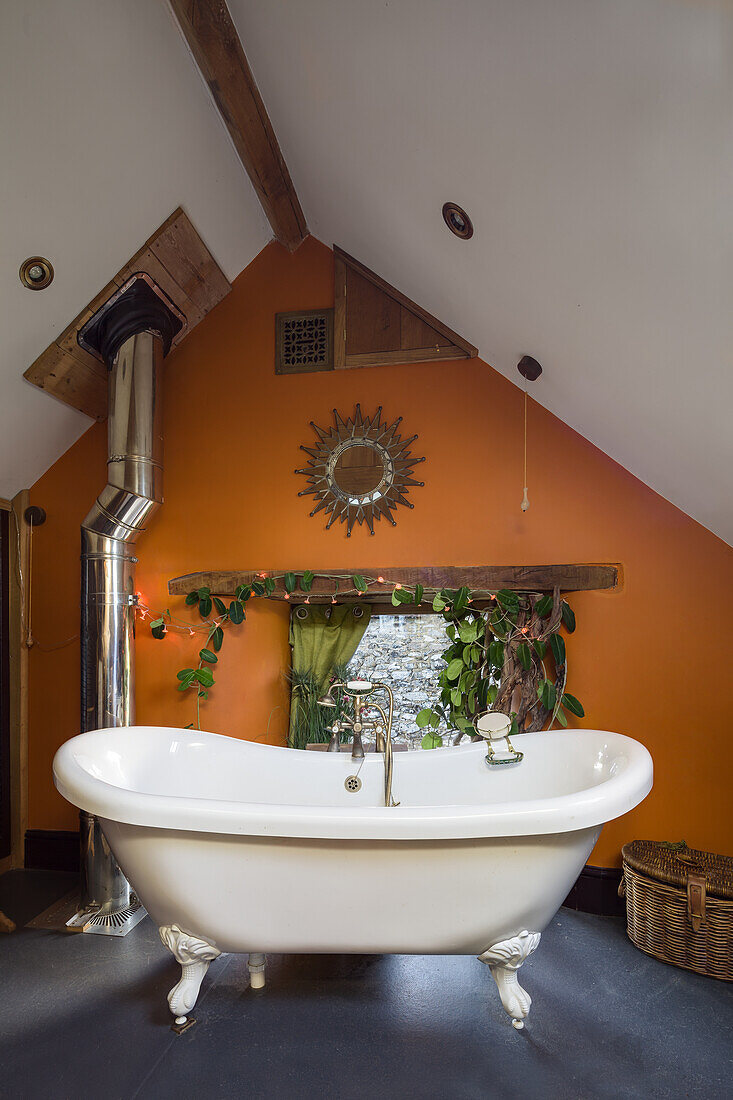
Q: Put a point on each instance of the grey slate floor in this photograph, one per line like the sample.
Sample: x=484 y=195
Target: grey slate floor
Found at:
x=85 y=1017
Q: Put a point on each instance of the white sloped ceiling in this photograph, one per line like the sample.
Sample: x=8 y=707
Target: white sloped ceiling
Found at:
x=591 y=142
x=104 y=130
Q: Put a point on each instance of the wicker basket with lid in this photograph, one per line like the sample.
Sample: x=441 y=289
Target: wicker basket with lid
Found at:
x=679 y=905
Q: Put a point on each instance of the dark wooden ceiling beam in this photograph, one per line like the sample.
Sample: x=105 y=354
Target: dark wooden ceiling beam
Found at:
x=487 y=578
x=213 y=40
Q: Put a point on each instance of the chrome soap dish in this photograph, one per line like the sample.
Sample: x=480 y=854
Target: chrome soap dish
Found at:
x=494 y=726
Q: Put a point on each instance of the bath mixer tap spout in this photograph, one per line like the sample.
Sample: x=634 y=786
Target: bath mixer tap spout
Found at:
x=358 y=690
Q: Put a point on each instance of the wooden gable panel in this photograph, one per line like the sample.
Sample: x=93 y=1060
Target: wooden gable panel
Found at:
x=372 y=317
x=375 y=324
x=179 y=262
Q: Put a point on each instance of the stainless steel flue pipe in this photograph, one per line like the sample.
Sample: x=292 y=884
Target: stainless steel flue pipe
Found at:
x=132 y=333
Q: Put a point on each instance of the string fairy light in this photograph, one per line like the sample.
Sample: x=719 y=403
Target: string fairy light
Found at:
x=169 y=623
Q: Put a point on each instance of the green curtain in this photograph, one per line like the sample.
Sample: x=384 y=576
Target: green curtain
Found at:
x=326 y=638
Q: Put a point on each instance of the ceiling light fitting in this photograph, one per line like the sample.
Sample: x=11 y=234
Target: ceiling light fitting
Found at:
x=36 y=273
x=457 y=220
x=530 y=371
x=529 y=368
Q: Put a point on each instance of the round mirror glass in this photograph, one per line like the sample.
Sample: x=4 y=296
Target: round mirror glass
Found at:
x=359 y=470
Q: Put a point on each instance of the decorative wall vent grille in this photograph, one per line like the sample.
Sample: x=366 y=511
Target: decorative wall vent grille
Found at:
x=304 y=341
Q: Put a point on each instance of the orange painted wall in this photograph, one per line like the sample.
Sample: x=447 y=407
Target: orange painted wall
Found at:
x=648 y=660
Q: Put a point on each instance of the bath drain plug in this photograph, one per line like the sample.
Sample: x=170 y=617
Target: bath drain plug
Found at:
x=353 y=783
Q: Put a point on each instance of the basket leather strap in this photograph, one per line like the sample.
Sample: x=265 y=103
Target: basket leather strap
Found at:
x=696 y=894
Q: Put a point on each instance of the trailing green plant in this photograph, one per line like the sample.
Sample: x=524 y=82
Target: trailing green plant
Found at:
x=509 y=656
x=499 y=659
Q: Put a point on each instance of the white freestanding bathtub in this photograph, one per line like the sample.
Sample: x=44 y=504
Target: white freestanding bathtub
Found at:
x=234 y=846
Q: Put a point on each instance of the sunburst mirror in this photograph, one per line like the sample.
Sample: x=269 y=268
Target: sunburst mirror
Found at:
x=360 y=470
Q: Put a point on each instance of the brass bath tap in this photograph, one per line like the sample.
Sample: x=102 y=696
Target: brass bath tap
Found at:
x=359 y=690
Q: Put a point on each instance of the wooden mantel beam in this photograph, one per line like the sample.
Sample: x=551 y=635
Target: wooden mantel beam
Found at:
x=212 y=38
x=489 y=578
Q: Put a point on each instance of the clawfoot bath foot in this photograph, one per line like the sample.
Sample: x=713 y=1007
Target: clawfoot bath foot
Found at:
x=256 y=967
x=195 y=955
x=504 y=960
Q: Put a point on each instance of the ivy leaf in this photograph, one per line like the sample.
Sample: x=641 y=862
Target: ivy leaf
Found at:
x=192 y=598
x=525 y=656
x=497 y=624
x=557 y=645
x=236 y=612
x=243 y=592
x=423 y=718
x=185 y=674
x=460 y=602
x=434 y=719
x=543 y=607
x=568 y=617
x=467 y=631
x=208 y=656
x=496 y=654
x=455 y=668
x=492 y=693
x=561 y=718
x=509 y=601
x=219 y=605
x=464 y=724
x=204 y=676
x=539 y=647
x=306 y=581
x=395 y=601
x=438 y=602
x=157 y=628
x=203 y=593
x=573 y=705
x=455 y=697
x=359 y=583
x=432 y=740
x=419 y=593
x=467 y=680
x=205 y=606
x=258 y=588
x=289 y=582
x=217 y=638
x=269 y=586
x=185 y=685
x=403 y=595
x=549 y=696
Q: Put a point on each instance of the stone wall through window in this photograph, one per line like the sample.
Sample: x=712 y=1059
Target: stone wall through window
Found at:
x=404 y=651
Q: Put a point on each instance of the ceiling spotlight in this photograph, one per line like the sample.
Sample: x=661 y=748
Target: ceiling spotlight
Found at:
x=36 y=273
x=457 y=220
